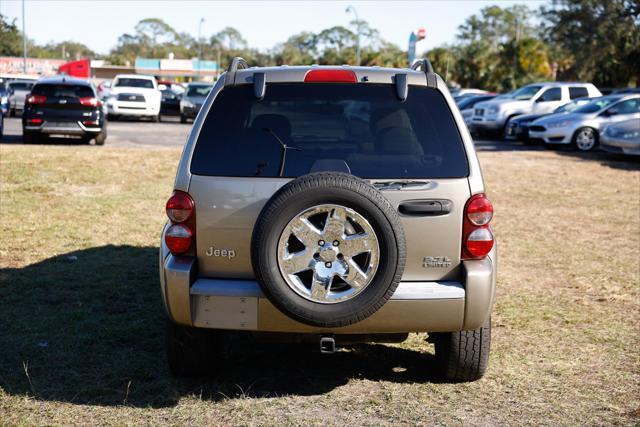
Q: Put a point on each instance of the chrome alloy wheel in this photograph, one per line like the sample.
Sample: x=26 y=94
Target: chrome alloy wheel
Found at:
x=328 y=253
x=586 y=139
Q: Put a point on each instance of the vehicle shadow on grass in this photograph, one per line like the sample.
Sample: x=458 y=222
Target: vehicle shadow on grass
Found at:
x=14 y=139
x=87 y=327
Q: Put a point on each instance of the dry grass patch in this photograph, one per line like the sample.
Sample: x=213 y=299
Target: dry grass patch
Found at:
x=81 y=338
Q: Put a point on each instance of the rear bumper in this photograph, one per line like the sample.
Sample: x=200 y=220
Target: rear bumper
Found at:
x=241 y=305
x=73 y=128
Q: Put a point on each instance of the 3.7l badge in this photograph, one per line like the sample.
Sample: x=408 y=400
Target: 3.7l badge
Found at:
x=436 y=262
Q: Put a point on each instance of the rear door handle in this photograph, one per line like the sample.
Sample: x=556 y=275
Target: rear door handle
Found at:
x=426 y=207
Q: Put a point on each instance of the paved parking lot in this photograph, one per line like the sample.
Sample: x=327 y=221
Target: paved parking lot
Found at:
x=171 y=133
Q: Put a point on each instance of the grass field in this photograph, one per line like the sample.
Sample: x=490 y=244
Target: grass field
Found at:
x=81 y=321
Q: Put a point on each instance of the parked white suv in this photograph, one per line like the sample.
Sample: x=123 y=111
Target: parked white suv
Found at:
x=536 y=98
x=134 y=95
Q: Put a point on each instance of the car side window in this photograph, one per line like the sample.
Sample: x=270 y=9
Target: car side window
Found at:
x=630 y=106
x=553 y=94
x=578 y=92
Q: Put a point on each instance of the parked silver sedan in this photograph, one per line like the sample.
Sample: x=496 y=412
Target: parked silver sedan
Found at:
x=582 y=127
x=622 y=137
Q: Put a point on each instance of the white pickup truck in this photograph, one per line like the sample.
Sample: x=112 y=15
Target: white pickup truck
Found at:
x=536 y=98
x=134 y=95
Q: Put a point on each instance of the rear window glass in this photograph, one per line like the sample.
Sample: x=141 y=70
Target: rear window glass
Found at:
x=63 y=91
x=362 y=126
x=132 y=82
x=198 y=90
x=578 y=92
x=20 y=85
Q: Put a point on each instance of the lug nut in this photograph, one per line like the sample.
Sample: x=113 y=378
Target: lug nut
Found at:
x=336 y=243
x=321 y=243
x=340 y=256
x=327 y=264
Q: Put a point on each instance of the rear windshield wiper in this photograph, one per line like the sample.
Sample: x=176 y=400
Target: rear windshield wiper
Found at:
x=404 y=185
x=284 y=146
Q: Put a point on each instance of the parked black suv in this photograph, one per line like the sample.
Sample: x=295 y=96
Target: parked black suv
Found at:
x=63 y=106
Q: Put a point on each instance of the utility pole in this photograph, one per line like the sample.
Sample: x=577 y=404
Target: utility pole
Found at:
x=24 y=42
x=515 y=55
x=353 y=10
x=199 y=44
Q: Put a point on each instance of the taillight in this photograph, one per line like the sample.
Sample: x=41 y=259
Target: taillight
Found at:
x=89 y=101
x=34 y=121
x=330 y=76
x=477 y=237
x=90 y=123
x=479 y=210
x=180 y=236
x=179 y=207
x=36 y=99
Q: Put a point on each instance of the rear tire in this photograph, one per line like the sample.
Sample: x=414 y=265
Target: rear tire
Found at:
x=463 y=355
x=191 y=351
x=28 y=137
x=101 y=138
x=183 y=119
x=155 y=119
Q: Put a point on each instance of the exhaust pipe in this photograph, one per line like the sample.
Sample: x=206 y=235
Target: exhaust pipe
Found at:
x=327 y=345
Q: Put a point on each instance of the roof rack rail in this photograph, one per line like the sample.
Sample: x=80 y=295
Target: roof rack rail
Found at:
x=237 y=63
x=425 y=66
x=422 y=64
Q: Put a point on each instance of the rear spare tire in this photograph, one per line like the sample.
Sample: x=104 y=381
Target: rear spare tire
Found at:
x=328 y=249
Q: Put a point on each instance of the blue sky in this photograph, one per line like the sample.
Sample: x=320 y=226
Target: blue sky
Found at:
x=263 y=23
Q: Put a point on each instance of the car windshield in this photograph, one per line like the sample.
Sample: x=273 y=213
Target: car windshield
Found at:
x=569 y=107
x=21 y=86
x=525 y=93
x=133 y=82
x=198 y=91
x=595 y=105
x=63 y=91
x=362 y=128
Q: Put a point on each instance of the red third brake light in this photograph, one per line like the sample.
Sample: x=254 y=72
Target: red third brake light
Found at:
x=477 y=237
x=330 y=76
x=36 y=99
x=180 y=236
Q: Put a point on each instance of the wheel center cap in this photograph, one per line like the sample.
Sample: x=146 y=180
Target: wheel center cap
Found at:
x=328 y=253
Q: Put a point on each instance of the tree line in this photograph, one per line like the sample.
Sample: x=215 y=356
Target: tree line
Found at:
x=500 y=48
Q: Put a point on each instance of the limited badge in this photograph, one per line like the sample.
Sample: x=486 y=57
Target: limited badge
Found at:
x=436 y=262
